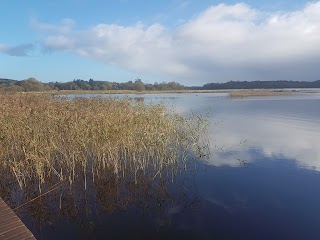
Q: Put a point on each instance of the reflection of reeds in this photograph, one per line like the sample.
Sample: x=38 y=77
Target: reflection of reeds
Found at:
x=47 y=140
x=158 y=199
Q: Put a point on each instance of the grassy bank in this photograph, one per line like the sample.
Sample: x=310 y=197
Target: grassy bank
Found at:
x=45 y=140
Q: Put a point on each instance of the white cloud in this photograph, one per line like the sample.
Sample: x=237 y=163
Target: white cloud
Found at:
x=224 y=42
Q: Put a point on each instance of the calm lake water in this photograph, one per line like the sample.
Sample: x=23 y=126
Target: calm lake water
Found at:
x=261 y=182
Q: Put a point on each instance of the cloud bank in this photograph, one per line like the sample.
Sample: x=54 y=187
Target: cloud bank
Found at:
x=222 y=43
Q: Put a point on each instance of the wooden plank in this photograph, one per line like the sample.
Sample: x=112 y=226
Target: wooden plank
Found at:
x=11 y=227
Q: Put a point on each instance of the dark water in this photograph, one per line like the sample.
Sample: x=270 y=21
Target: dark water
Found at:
x=261 y=182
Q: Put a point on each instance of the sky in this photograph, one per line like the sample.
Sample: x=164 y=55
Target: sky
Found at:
x=192 y=42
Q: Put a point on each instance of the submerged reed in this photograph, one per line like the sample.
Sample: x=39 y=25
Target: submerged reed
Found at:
x=46 y=140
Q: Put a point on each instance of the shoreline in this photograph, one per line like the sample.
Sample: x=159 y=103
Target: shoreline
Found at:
x=230 y=92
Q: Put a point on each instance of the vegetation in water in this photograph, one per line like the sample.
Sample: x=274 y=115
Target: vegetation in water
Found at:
x=46 y=140
x=258 y=92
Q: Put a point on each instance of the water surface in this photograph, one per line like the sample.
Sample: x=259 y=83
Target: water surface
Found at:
x=261 y=182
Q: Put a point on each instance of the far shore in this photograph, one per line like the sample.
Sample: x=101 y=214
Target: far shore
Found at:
x=236 y=93
x=231 y=92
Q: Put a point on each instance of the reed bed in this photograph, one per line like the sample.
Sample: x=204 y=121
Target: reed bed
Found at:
x=46 y=140
x=258 y=92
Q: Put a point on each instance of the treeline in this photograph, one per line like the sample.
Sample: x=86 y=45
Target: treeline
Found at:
x=32 y=84
x=136 y=85
x=28 y=85
x=260 y=85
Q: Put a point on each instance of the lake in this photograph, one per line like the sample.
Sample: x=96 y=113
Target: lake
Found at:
x=262 y=180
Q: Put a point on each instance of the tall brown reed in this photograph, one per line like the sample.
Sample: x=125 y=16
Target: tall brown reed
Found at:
x=44 y=138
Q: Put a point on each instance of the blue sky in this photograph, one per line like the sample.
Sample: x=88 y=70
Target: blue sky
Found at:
x=189 y=41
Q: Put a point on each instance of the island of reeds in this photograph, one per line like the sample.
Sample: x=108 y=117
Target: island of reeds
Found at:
x=46 y=140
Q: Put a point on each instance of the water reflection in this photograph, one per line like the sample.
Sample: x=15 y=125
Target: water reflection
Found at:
x=272 y=198
x=273 y=136
x=108 y=202
x=277 y=126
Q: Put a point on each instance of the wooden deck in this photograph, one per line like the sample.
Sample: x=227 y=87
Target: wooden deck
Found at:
x=11 y=227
